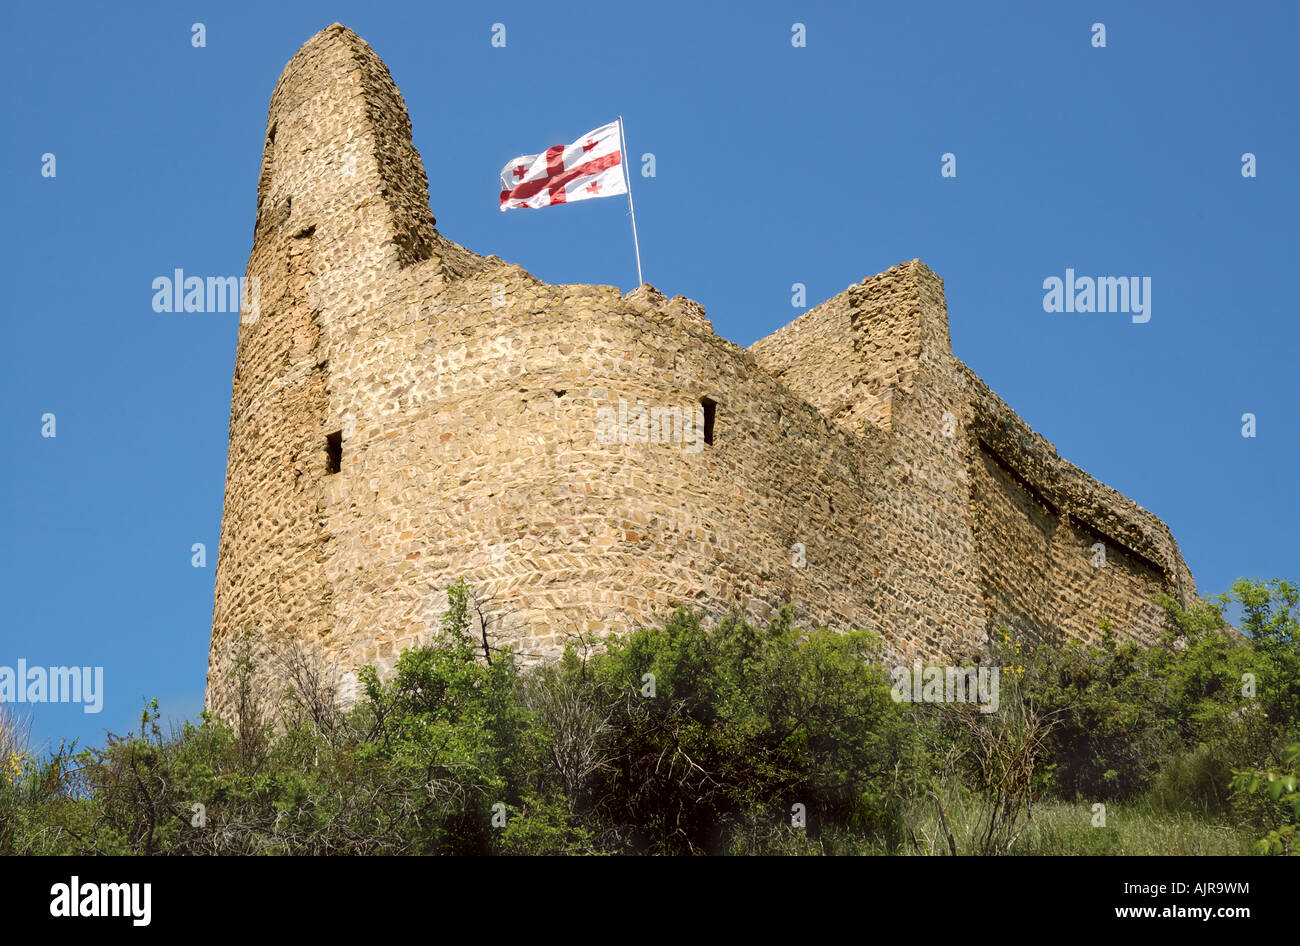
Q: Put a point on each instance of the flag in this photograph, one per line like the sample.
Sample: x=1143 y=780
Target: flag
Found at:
x=590 y=167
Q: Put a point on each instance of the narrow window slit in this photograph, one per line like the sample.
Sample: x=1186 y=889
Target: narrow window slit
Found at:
x=334 y=452
x=710 y=414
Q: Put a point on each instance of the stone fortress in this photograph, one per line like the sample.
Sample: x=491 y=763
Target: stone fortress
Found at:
x=406 y=412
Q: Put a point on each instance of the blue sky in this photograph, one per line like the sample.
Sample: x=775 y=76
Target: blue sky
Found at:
x=775 y=165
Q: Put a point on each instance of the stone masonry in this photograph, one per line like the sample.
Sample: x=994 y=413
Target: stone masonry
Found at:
x=405 y=412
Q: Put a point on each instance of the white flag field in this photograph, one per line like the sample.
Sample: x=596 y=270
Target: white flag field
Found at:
x=590 y=167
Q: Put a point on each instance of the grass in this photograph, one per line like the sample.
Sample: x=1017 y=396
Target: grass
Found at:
x=1062 y=828
x=1056 y=829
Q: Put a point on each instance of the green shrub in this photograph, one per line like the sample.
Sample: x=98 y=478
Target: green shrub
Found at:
x=680 y=739
x=712 y=730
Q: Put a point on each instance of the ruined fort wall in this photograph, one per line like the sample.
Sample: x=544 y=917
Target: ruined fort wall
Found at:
x=876 y=359
x=853 y=354
x=475 y=453
x=405 y=413
x=1039 y=520
x=478 y=455
x=1000 y=507
x=336 y=213
x=1039 y=567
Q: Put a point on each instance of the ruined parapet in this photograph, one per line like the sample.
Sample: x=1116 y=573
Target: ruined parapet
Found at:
x=853 y=354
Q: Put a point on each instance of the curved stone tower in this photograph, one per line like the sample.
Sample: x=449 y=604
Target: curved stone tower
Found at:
x=405 y=412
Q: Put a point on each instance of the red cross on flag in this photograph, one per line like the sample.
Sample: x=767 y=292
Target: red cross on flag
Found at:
x=590 y=167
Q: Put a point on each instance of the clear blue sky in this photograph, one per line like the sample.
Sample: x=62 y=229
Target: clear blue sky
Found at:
x=775 y=165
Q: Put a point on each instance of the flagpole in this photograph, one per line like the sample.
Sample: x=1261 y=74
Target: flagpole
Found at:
x=627 y=180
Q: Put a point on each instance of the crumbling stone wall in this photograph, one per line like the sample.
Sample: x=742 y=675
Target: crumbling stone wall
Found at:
x=856 y=470
x=1023 y=524
x=1040 y=522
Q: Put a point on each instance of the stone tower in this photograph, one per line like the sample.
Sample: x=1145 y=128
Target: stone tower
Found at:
x=405 y=412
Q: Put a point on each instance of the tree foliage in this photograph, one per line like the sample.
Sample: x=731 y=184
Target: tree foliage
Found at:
x=687 y=739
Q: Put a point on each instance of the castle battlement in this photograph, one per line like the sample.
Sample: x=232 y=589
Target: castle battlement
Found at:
x=405 y=412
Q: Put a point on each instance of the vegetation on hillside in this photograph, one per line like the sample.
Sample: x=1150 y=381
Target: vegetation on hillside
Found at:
x=738 y=739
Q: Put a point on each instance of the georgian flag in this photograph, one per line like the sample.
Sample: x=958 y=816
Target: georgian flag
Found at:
x=590 y=167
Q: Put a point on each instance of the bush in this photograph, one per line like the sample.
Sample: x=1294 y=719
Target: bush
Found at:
x=1195 y=781
x=706 y=734
x=738 y=739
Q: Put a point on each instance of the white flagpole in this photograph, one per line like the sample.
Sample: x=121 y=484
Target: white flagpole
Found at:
x=627 y=180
